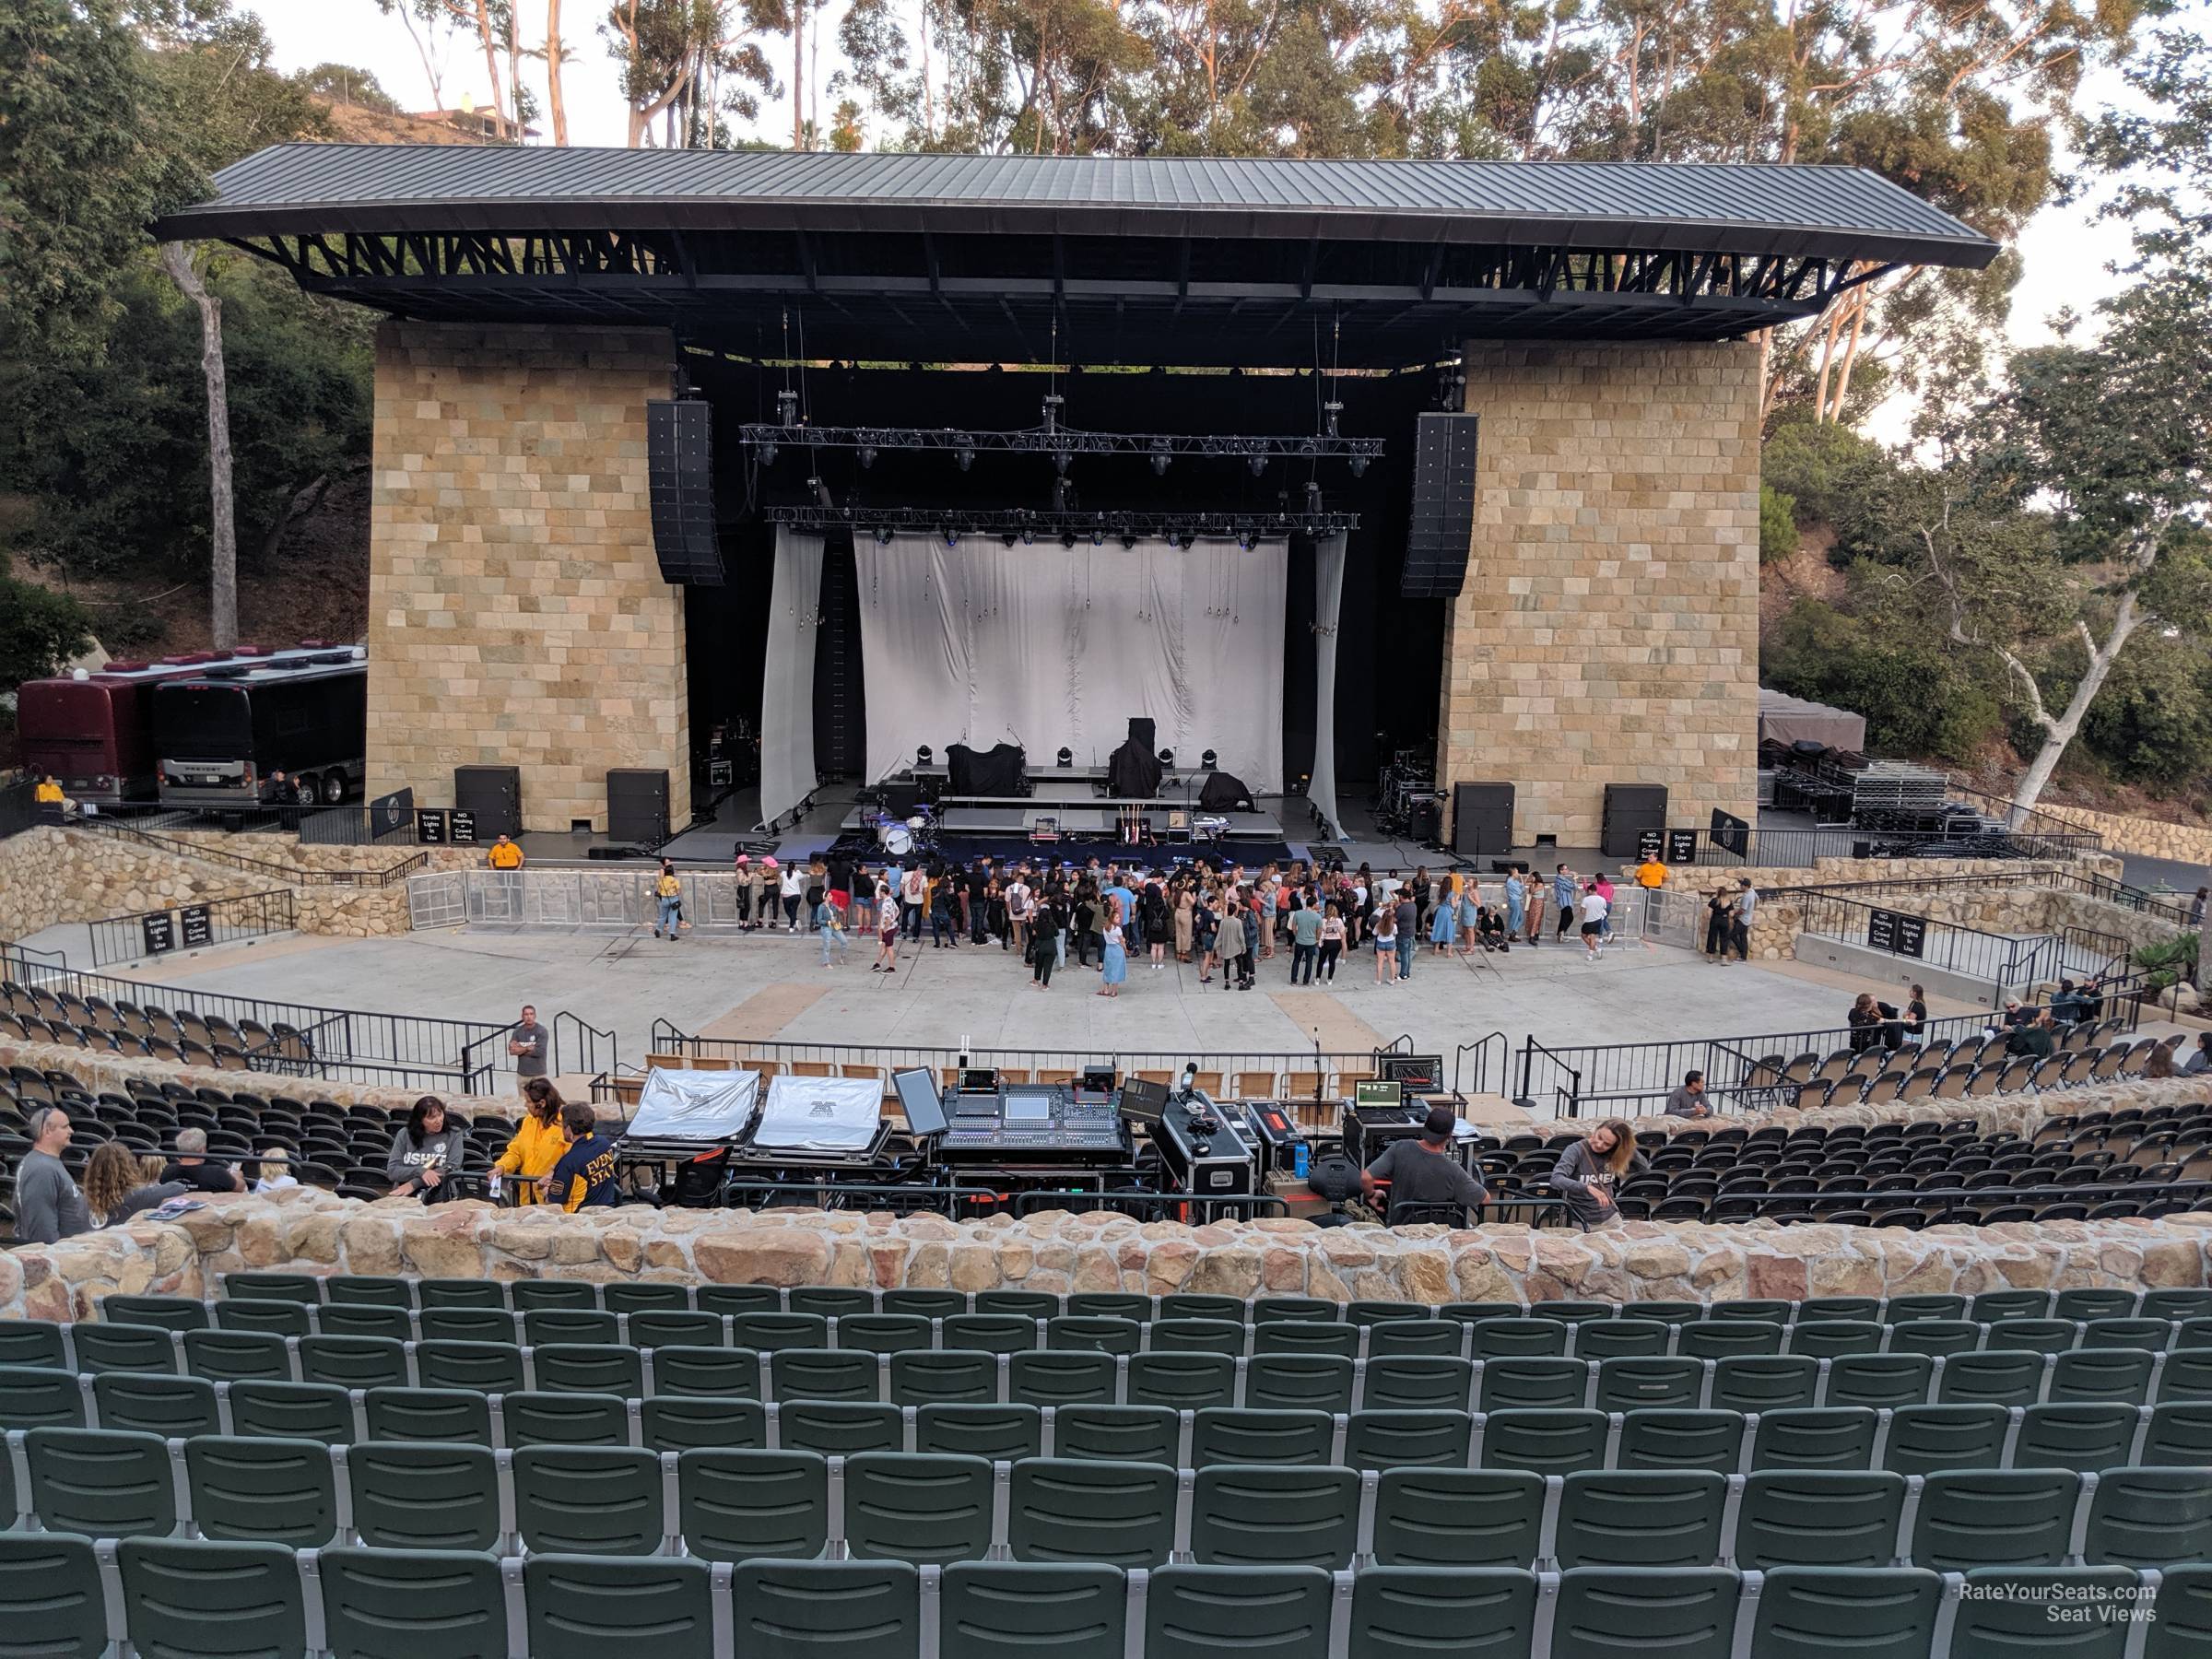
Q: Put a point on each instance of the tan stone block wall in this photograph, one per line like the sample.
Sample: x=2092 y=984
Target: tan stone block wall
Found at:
x=2146 y=838
x=1608 y=631
x=517 y=615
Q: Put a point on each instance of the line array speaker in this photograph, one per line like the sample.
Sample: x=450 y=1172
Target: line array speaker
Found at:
x=495 y=795
x=1443 y=525
x=1482 y=819
x=637 y=805
x=679 y=450
x=1632 y=809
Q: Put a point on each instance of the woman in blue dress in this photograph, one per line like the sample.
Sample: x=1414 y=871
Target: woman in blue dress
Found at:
x=1117 y=957
x=1470 y=913
x=1445 y=928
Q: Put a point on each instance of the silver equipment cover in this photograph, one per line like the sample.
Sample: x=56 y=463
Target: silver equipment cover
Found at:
x=695 y=1105
x=820 y=1115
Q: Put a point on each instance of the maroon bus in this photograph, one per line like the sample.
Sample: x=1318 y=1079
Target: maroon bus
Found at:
x=93 y=731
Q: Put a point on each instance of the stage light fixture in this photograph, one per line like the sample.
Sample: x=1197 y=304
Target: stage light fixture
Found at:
x=1060 y=460
x=1359 y=466
x=923 y=755
x=1067 y=540
x=952 y=537
x=1258 y=464
x=1098 y=538
x=963 y=449
x=1207 y=759
x=883 y=535
x=1167 y=757
x=867 y=455
x=1244 y=541
x=768 y=454
x=1028 y=537
x=1009 y=538
x=1128 y=543
x=821 y=494
x=1160 y=457
x=1066 y=757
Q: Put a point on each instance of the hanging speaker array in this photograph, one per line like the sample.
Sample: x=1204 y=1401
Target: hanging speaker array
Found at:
x=1443 y=525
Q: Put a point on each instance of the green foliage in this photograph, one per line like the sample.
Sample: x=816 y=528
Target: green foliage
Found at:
x=40 y=630
x=1832 y=477
x=345 y=85
x=1777 y=524
x=2169 y=962
x=2152 y=723
x=1918 y=696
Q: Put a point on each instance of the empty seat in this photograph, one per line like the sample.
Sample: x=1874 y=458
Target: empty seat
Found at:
x=587 y=1500
x=1828 y=1437
x=1533 y=1384
x=1066 y=1510
x=950 y=1377
x=1118 y=1433
x=1298 y=1382
x=1683 y=1613
x=706 y=1373
x=277 y=1491
x=530 y=1417
x=1811 y=1612
x=1416 y=1382
x=1818 y=1518
x=683 y=1422
x=104 y=1347
x=1458 y=1517
x=34 y=1397
x=1187 y=1382
x=2078 y=1437
x=1028 y=1609
x=211 y=1597
x=1685 y=1439
x=2149 y=1517
x=442 y=1604
x=316 y=1411
x=1220 y=1435
x=1969 y=1518
x=169 y=1312
x=2004 y=1378
x=237 y=1356
x=432 y=1496
x=1878 y=1380
x=1047 y=1377
x=1765 y=1382
x=1389 y=1439
x=581 y=1607
x=2010 y=1610
x=1548 y=1442
x=733 y=1504
x=840 y=1427
x=51 y=1598
x=101 y=1484
x=1412 y=1612
x=1199 y=1611
x=1268 y=1515
x=1924 y=1439
x=354 y=1361
x=450 y=1414
x=1641 y=1518
x=1627 y=1383
x=480 y=1367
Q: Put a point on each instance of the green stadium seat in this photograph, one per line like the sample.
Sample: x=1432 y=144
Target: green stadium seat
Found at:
x=826 y=1609
x=1037 y=1305
x=1548 y=1442
x=1045 y=1377
x=713 y=1373
x=1620 y=1339
x=102 y=1348
x=441 y=1604
x=989 y=1333
x=236 y=1356
x=588 y=1367
x=1392 y=1338
x=885 y=1333
x=1571 y=1313
x=2086 y=1376
x=1415 y=1383
x=205 y=1598
x=1641 y=1518
x=1190 y=1304
x=1116 y=1304
x=585 y=1607
x=2093 y=1302
x=1824 y=1308
x=480 y=1367
x=1664 y=1439
x=840 y=1427
x=542 y=1326
x=2181 y=1625
x=1922 y=1439
x=2038 y=1336
x=526 y=1295
x=1304 y=1336
x=1883 y=1381
x=930 y=1304
x=1763 y=1310
x=1905 y=1310
x=1262 y=1515
x=685 y=1421
x=41 y=1342
x=1202 y=1612
x=1268 y=1308
x=1940 y=1337
x=316 y=1411
x=52 y=1603
x=2081 y=1438
x=368 y=1291
x=1720 y=1338
x=354 y=1361
x=1834 y=1339
x=1186 y=1382
x=1665 y=1312
x=946 y=1376
x=427 y=1496
x=1984 y=1517
x=634 y=1299
x=33 y=1396
x=1629 y=1384
x=588 y=1499
x=1765 y=1382
x=767 y=1333
x=274 y=1491
x=1220 y=1435
x=1817 y=1612
x=274 y=1318
x=169 y=1312
x=2007 y=1610
x=1298 y=1382
x=1033 y=1610
x=1393 y=1440
x=443 y=1323
x=1418 y=1612
x=1118 y=1433
x=733 y=1504
x=532 y=1418
x=2192 y=1303
x=1366 y=1313
x=1827 y=1437
x=364 y=1319
x=1818 y=1518
x=273 y=1287
x=1993 y=1305
x=2127 y=1333
x=1067 y=1511
x=1475 y=1312
x=1520 y=1338
x=2186 y=1375
x=1533 y=1384
x=2180 y=1432
x=2004 y=1377
x=1654 y=1612
x=1071 y=1332
x=1458 y=1517
x=460 y=1293
x=673 y=1328
x=926 y=1509
x=2149 y=1517
x=454 y=1415
x=1003 y=1433
x=101 y=1483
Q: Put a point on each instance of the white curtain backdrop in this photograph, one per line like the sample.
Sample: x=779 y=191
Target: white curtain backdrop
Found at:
x=1045 y=646
x=787 y=775
x=1328 y=573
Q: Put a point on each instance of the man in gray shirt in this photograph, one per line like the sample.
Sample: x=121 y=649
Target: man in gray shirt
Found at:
x=1690 y=1102
x=48 y=1206
x=527 y=1043
x=1423 y=1172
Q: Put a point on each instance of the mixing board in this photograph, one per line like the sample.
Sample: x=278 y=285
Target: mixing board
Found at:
x=1042 y=1120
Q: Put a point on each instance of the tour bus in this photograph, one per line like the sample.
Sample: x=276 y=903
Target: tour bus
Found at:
x=93 y=730
x=221 y=735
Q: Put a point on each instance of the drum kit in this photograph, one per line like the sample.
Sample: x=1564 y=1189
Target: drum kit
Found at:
x=900 y=839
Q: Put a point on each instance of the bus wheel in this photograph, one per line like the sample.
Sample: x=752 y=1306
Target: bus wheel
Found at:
x=334 y=788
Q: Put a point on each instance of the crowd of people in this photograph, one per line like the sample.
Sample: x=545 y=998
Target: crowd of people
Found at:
x=1213 y=913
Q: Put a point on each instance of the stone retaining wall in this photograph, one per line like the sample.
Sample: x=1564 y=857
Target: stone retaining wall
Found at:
x=49 y=876
x=2145 y=837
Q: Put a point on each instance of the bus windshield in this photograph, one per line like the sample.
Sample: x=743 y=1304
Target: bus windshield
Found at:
x=203 y=723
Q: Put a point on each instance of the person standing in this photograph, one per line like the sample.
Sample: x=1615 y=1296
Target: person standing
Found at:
x=504 y=856
x=1305 y=942
x=527 y=1042
x=749 y=903
x=1229 y=942
x=829 y=921
x=1386 y=946
x=1153 y=907
x=791 y=887
x=840 y=879
x=1406 y=914
x=1536 y=894
x=1604 y=884
x=1017 y=915
x=1720 y=923
x=1043 y=952
x=1185 y=905
x=976 y=892
x=49 y=1208
x=1444 y=933
x=1650 y=874
x=913 y=898
x=944 y=911
x=886 y=929
x=1115 y=972
x=1594 y=923
x=1332 y=943
x=1516 y=904
x=668 y=900
x=1563 y=898
x=1746 y=906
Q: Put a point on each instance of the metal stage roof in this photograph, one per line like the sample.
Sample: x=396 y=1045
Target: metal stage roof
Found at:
x=1154 y=260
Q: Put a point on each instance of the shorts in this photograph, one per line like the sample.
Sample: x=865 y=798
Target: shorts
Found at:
x=840 y=898
x=1590 y=929
x=1386 y=947
x=888 y=935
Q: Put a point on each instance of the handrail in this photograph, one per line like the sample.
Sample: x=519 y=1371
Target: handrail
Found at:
x=1480 y=1049
x=588 y=1038
x=290 y=874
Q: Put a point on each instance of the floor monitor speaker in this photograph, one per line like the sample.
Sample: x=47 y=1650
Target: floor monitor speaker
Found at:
x=1441 y=529
x=679 y=464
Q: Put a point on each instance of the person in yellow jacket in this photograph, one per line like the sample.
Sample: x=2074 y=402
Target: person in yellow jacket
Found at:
x=539 y=1144
x=505 y=855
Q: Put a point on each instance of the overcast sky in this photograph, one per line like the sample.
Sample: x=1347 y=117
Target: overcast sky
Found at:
x=2065 y=253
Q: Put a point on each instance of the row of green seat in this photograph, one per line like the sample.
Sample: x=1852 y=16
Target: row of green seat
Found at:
x=729 y=1504
x=203 y=1600
x=2083 y=1302
x=1183 y=1379
x=1002 y=1332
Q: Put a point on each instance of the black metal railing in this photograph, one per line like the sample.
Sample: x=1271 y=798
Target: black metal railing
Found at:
x=1482 y=1066
x=19 y=806
x=189 y=926
x=1798 y=849
x=289 y=874
x=580 y=1046
x=1998 y=960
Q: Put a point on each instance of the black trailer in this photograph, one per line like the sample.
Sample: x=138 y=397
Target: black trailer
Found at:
x=222 y=736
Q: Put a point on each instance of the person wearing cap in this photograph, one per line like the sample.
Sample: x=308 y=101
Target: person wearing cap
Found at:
x=1423 y=1171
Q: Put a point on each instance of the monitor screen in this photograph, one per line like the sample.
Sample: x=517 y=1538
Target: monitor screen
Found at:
x=1096 y=1080
x=1144 y=1101
x=919 y=1099
x=1027 y=1106
x=1419 y=1072
x=1378 y=1092
x=979 y=1079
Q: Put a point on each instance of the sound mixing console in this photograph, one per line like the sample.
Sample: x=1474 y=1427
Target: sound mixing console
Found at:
x=1043 y=1121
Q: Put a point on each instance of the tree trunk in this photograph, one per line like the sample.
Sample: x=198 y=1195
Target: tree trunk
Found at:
x=491 y=59
x=222 y=578
x=553 y=106
x=799 y=73
x=2059 y=733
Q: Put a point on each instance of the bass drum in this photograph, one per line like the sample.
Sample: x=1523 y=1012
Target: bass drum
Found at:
x=897 y=840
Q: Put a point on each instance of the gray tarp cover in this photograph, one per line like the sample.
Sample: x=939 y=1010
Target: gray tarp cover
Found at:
x=695 y=1105
x=820 y=1115
x=1786 y=719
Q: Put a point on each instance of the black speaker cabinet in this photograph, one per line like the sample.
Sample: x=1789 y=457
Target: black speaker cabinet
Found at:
x=680 y=463
x=1631 y=810
x=1427 y=821
x=637 y=805
x=1442 y=526
x=495 y=795
x=1482 y=818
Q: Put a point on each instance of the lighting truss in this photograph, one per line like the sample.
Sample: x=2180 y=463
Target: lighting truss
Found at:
x=768 y=438
x=1010 y=524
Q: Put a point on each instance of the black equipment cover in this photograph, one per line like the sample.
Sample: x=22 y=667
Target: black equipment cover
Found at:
x=998 y=770
x=1225 y=792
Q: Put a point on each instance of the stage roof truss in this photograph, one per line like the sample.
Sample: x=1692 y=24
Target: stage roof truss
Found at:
x=1062 y=441
x=1034 y=525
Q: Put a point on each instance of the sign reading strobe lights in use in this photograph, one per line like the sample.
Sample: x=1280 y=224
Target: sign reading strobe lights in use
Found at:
x=158 y=930
x=1897 y=933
